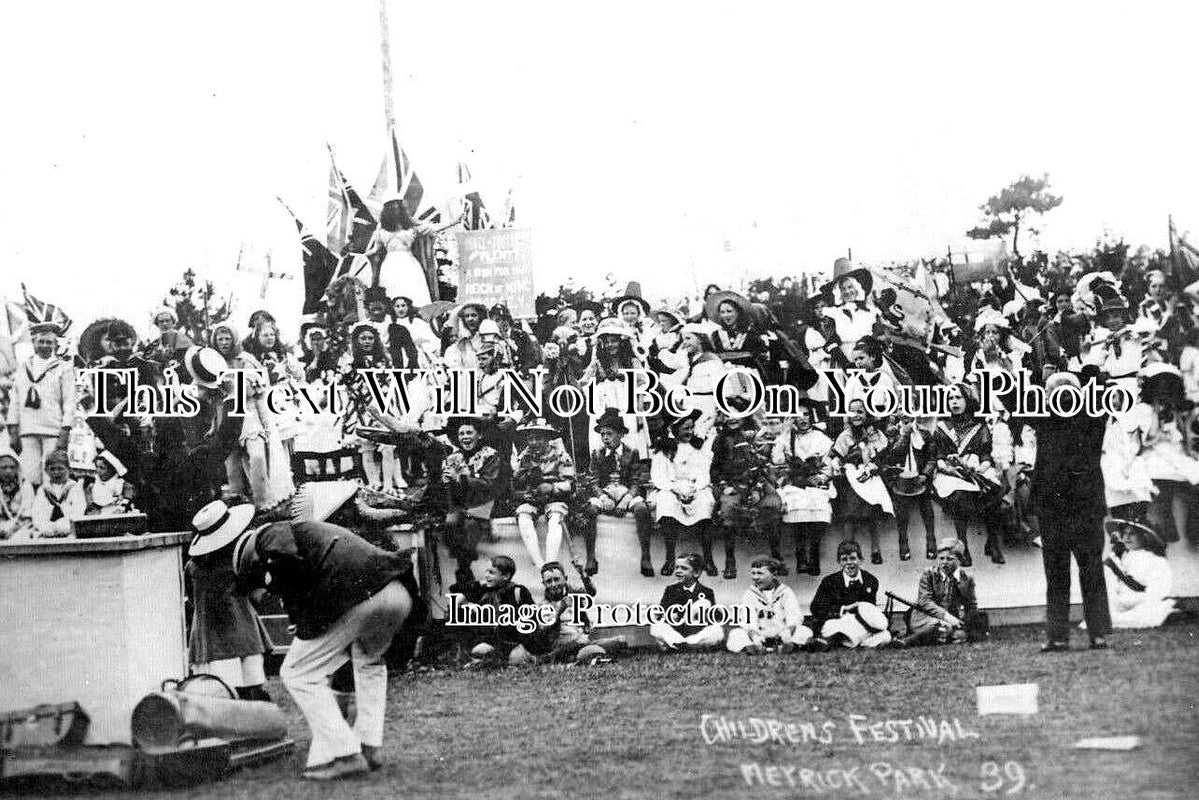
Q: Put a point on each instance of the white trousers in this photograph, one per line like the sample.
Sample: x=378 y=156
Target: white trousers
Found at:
x=857 y=634
x=236 y=672
x=362 y=634
x=711 y=636
x=741 y=638
x=34 y=449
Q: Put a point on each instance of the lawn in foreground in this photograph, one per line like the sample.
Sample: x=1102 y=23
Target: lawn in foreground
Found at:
x=634 y=729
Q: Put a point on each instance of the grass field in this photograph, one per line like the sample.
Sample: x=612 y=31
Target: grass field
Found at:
x=632 y=729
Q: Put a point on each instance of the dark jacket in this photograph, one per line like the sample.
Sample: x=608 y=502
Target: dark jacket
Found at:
x=321 y=571
x=402 y=348
x=833 y=593
x=511 y=594
x=938 y=596
x=624 y=467
x=676 y=594
x=1067 y=482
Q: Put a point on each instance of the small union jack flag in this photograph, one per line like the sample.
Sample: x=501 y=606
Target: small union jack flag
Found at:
x=37 y=311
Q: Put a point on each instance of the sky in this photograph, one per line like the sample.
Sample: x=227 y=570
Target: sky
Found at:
x=672 y=143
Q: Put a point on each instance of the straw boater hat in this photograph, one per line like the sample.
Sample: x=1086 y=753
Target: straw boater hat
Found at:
x=1149 y=536
x=537 y=425
x=117 y=467
x=742 y=304
x=217 y=525
x=611 y=326
x=205 y=366
x=44 y=327
x=611 y=419
x=843 y=268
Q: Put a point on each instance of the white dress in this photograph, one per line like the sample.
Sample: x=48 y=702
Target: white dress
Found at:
x=401 y=275
x=688 y=472
x=804 y=503
x=1147 y=609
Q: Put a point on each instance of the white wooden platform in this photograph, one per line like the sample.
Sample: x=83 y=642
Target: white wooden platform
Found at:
x=1018 y=585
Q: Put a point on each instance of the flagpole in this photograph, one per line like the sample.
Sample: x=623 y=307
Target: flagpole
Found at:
x=385 y=48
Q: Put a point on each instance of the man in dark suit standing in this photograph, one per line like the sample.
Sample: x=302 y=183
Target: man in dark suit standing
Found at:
x=1069 y=501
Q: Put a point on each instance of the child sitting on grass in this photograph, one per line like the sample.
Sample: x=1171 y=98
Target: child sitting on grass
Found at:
x=494 y=645
x=776 y=624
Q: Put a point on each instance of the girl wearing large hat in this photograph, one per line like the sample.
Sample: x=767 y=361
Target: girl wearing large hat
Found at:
x=663 y=353
x=226 y=639
x=735 y=338
x=680 y=470
x=701 y=373
x=1147 y=444
x=802 y=453
x=261 y=467
x=614 y=355
x=1139 y=579
x=633 y=310
x=850 y=310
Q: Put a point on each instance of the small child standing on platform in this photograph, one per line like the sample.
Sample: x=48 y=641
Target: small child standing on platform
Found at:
x=225 y=637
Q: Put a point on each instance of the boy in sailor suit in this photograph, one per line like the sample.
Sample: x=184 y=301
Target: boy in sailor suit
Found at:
x=777 y=621
x=59 y=500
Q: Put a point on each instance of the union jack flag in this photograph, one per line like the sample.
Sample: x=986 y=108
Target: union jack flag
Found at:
x=477 y=217
x=37 y=311
x=337 y=219
x=403 y=182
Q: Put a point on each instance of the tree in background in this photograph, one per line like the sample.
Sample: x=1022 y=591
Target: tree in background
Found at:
x=1007 y=211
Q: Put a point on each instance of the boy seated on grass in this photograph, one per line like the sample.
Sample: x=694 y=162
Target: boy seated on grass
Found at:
x=688 y=592
x=946 y=606
x=777 y=622
x=845 y=609
x=494 y=645
x=567 y=638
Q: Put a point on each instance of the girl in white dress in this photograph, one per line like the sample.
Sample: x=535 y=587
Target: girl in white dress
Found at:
x=400 y=273
x=612 y=355
x=1140 y=580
